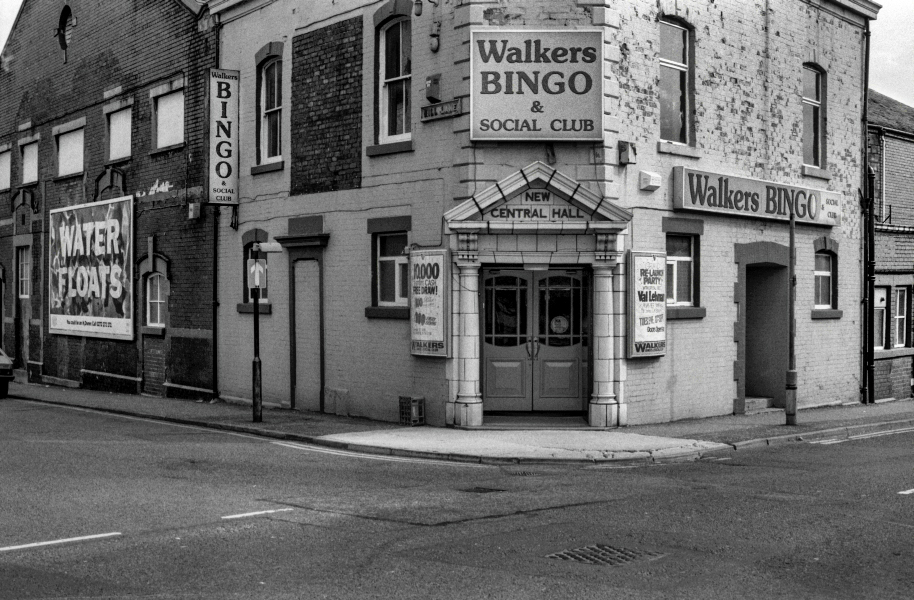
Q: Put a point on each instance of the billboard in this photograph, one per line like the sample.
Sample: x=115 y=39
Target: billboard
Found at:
x=647 y=304
x=223 y=136
x=535 y=85
x=91 y=269
x=428 y=294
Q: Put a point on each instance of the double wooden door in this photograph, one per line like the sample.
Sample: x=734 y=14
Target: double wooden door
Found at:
x=535 y=339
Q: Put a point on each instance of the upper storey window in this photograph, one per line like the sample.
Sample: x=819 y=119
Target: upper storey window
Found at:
x=675 y=82
x=813 y=116
x=395 y=50
x=271 y=111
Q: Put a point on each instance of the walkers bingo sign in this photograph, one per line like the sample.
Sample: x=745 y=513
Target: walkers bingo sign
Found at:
x=428 y=275
x=91 y=269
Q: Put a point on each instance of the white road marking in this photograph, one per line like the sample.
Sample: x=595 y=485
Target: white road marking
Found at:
x=258 y=513
x=64 y=541
x=906 y=492
x=405 y=459
x=862 y=436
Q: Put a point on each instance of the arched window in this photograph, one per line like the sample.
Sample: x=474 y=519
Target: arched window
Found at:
x=270 y=105
x=395 y=80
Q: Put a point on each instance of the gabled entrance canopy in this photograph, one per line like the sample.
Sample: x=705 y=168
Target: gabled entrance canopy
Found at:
x=537 y=199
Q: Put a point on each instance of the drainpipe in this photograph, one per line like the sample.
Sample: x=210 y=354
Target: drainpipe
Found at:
x=217 y=30
x=869 y=257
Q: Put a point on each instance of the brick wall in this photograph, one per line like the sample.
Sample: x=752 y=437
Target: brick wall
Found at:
x=327 y=108
x=136 y=46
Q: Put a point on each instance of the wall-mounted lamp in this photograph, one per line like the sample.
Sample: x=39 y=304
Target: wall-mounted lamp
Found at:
x=417 y=6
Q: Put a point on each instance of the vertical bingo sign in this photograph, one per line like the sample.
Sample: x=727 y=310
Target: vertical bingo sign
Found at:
x=428 y=302
x=647 y=304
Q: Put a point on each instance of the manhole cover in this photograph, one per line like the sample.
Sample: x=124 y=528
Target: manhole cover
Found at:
x=482 y=490
x=601 y=554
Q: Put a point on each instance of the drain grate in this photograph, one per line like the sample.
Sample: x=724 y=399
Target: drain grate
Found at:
x=482 y=490
x=523 y=473
x=601 y=554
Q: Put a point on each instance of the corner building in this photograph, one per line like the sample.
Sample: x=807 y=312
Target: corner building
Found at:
x=105 y=257
x=576 y=206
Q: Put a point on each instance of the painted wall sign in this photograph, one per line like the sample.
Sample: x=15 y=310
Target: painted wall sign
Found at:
x=223 y=136
x=442 y=110
x=535 y=205
x=536 y=84
x=742 y=197
x=91 y=269
x=647 y=304
x=428 y=293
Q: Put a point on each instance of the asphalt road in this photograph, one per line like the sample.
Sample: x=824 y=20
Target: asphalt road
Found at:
x=183 y=512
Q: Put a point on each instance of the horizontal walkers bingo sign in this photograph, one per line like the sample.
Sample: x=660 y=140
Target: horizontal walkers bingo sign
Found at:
x=428 y=275
x=647 y=304
x=536 y=84
x=91 y=269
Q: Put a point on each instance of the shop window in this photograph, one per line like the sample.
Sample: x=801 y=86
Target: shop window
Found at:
x=169 y=119
x=156 y=300
x=394 y=81
x=680 y=269
x=270 y=107
x=24 y=271
x=30 y=162
x=70 y=152
x=880 y=305
x=813 y=101
x=675 y=82
x=120 y=134
x=5 y=169
x=900 y=318
x=390 y=267
x=824 y=280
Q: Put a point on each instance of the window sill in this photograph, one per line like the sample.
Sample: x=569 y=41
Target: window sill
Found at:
x=882 y=354
x=685 y=312
x=279 y=165
x=387 y=312
x=677 y=149
x=117 y=161
x=28 y=184
x=392 y=148
x=165 y=149
x=248 y=307
x=76 y=175
x=810 y=171
x=153 y=331
x=826 y=313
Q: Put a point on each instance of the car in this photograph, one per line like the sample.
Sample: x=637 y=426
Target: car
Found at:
x=6 y=373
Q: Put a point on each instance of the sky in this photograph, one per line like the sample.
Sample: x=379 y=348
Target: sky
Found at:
x=891 y=60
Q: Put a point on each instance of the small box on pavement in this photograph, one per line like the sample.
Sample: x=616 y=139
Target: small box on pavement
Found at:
x=412 y=410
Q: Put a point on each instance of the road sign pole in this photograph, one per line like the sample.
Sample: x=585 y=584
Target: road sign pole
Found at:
x=257 y=398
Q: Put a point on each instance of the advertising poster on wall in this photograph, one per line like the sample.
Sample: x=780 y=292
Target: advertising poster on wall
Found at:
x=536 y=84
x=91 y=269
x=647 y=304
x=428 y=294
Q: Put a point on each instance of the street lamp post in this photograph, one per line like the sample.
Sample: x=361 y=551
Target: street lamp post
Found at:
x=790 y=403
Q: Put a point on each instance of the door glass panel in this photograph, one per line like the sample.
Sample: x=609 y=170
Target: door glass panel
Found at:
x=560 y=311
x=505 y=311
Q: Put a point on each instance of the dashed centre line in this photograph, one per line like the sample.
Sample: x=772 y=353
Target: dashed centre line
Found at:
x=906 y=492
x=63 y=541
x=257 y=513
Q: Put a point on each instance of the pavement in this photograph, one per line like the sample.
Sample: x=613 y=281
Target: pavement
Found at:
x=666 y=442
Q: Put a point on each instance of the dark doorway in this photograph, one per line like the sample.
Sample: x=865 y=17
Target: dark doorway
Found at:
x=766 y=332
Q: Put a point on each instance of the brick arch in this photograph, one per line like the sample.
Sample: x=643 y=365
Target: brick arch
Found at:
x=391 y=9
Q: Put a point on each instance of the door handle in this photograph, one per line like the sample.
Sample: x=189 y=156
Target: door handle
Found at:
x=536 y=347
x=527 y=346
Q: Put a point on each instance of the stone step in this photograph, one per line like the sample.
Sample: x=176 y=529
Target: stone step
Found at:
x=758 y=403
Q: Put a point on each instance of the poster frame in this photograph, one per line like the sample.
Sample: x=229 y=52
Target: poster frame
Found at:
x=444 y=256
x=631 y=337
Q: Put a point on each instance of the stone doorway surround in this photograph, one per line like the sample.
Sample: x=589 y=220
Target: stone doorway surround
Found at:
x=595 y=241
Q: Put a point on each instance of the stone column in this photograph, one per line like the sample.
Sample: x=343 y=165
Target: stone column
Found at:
x=604 y=409
x=468 y=410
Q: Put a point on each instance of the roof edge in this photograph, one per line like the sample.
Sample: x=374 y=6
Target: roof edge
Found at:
x=866 y=8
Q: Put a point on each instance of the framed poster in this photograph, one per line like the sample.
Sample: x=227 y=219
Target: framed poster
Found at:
x=90 y=269
x=428 y=295
x=646 y=304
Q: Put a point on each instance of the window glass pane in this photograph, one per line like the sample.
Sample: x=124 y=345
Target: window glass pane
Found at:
x=901 y=306
x=823 y=262
x=879 y=300
x=30 y=163
x=684 y=282
x=810 y=134
x=387 y=284
x=670 y=281
x=823 y=290
x=391 y=245
x=70 y=152
x=4 y=170
x=406 y=48
x=119 y=134
x=405 y=123
x=396 y=107
x=404 y=279
x=170 y=119
x=879 y=328
x=672 y=104
x=679 y=245
x=810 y=84
x=273 y=134
x=392 y=52
x=270 y=85
x=673 y=43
